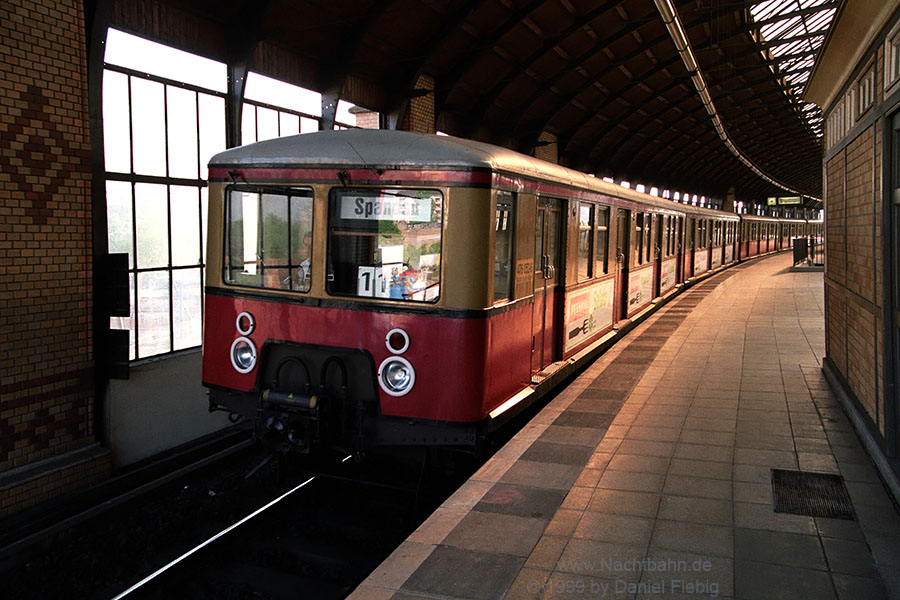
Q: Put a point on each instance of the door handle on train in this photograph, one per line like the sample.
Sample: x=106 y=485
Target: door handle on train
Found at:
x=620 y=257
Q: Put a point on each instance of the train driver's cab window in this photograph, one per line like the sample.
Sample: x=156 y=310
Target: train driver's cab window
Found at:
x=385 y=243
x=268 y=238
x=504 y=228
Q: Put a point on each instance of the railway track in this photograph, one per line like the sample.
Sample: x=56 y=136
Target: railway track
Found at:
x=318 y=539
x=315 y=530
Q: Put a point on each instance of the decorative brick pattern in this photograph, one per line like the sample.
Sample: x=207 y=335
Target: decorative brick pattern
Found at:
x=46 y=362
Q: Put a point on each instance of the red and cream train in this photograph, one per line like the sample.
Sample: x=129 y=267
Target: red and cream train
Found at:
x=371 y=288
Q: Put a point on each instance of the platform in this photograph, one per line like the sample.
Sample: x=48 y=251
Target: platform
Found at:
x=651 y=475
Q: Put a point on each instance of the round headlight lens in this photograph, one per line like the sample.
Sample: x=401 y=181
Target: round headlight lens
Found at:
x=397 y=341
x=245 y=323
x=396 y=376
x=243 y=355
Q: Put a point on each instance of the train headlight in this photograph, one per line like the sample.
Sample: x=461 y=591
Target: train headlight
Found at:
x=243 y=355
x=396 y=376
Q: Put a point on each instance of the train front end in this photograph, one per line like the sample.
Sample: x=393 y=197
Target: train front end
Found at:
x=328 y=317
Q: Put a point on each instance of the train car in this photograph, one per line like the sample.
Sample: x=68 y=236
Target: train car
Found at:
x=710 y=242
x=758 y=235
x=368 y=288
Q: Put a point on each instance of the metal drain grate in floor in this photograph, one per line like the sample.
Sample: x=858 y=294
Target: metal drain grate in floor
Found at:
x=811 y=494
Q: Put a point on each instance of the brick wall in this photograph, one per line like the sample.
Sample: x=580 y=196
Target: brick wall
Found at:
x=46 y=374
x=853 y=283
x=420 y=116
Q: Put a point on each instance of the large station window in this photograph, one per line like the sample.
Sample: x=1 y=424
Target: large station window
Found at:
x=268 y=239
x=385 y=243
x=163 y=118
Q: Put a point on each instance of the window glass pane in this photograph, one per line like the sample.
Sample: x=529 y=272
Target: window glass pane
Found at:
x=266 y=124
x=248 y=124
x=212 y=129
x=648 y=229
x=638 y=245
x=504 y=226
x=385 y=243
x=143 y=55
x=269 y=239
x=343 y=114
x=120 y=232
x=308 y=125
x=152 y=224
x=301 y=217
x=289 y=124
x=153 y=313
x=127 y=322
x=185 y=207
x=585 y=240
x=278 y=93
x=602 y=244
x=116 y=123
x=186 y=306
x=181 y=120
x=149 y=127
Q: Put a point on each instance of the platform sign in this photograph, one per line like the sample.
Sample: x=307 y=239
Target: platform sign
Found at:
x=700 y=261
x=640 y=288
x=588 y=312
x=667 y=275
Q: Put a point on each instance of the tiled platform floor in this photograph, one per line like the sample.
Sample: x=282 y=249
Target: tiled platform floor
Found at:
x=650 y=475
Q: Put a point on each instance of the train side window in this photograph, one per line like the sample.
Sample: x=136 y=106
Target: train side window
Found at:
x=268 y=238
x=601 y=246
x=385 y=243
x=504 y=227
x=638 y=245
x=648 y=236
x=585 y=241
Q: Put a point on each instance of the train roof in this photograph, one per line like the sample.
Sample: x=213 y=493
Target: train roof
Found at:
x=379 y=148
x=391 y=149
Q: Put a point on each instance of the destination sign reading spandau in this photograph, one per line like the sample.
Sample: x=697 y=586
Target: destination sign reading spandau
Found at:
x=386 y=208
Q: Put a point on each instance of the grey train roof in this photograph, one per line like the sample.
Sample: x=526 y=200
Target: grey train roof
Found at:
x=391 y=149
x=379 y=148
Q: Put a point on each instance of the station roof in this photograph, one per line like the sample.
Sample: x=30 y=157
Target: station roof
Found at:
x=608 y=80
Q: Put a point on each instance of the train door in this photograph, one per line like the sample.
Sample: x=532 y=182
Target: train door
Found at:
x=548 y=289
x=688 y=254
x=679 y=250
x=661 y=238
x=623 y=251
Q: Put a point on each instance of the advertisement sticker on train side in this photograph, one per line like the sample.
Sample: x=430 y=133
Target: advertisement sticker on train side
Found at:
x=588 y=312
